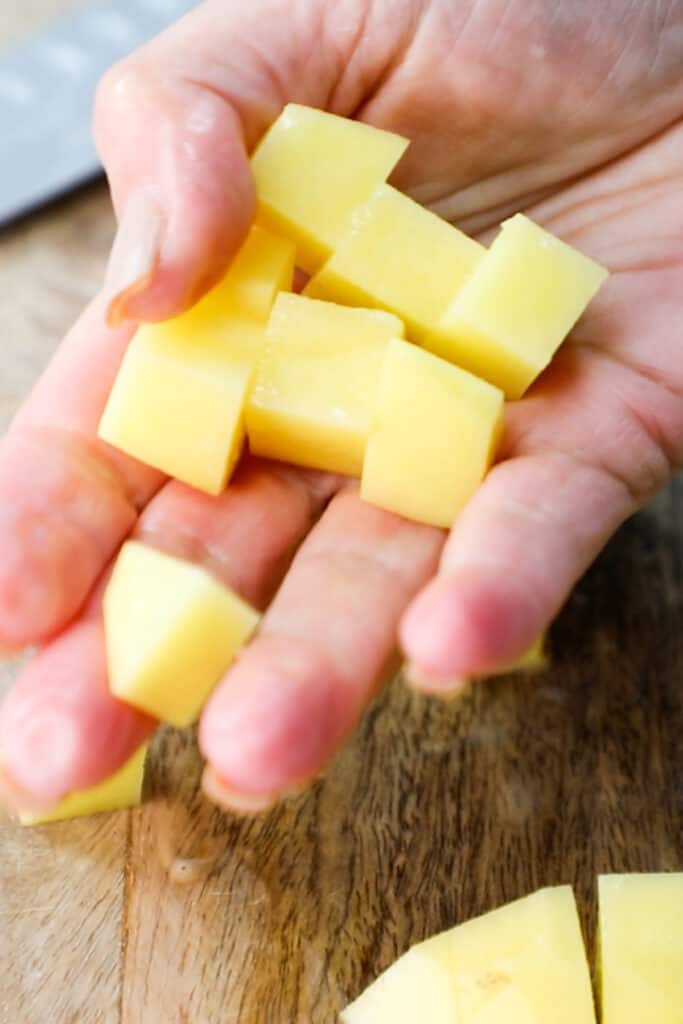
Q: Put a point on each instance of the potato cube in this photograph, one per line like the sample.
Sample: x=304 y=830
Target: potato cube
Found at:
x=262 y=267
x=524 y=963
x=417 y=987
x=434 y=434
x=171 y=632
x=641 y=948
x=521 y=964
x=122 y=789
x=400 y=257
x=312 y=169
x=316 y=384
x=518 y=306
x=178 y=402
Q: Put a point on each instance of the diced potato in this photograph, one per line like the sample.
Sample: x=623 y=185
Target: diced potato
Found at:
x=178 y=402
x=417 y=987
x=262 y=267
x=123 y=789
x=400 y=257
x=316 y=384
x=434 y=434
x=641 y=948
x=312 y=169
x=171 y=632
x=518 y=306
x=522 y=964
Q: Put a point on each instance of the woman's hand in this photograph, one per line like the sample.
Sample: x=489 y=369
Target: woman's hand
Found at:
x=572 y=112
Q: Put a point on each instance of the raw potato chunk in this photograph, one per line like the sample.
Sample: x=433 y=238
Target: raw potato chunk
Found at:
x=417 y=989
x=171 y=632
x=316 y=384
x=519 y=305
x=178 y=403
x=641 y=948
x=522 y=964
x=312 y=169
x=434 y=434
x=263 y=267
x=123 y=789
x=399 y=257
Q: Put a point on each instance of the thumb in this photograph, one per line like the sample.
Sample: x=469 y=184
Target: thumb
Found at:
x=173 y=124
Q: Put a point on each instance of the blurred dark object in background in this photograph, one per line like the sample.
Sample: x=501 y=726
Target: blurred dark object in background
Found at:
x=47 y=84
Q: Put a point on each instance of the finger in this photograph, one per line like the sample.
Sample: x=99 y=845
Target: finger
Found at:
x=66 y=499
x=581 y=461
x=60 y=728
x=173 y=124
x=322 y=649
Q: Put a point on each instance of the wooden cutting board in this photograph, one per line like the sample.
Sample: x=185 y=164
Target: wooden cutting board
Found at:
x=434 y=813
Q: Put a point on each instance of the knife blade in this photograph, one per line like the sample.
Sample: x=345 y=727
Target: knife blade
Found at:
x=47 y=85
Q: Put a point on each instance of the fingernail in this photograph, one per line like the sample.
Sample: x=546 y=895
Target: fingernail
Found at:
x=438 y=686
x=39 y=756
x=247 y=804
x=134 y=255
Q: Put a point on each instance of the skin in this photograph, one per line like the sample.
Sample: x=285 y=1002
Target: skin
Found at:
x=570 y=112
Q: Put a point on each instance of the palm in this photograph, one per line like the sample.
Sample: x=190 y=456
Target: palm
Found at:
x=590 y=142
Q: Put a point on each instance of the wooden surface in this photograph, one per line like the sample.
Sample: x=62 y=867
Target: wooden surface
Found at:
x=178 y=914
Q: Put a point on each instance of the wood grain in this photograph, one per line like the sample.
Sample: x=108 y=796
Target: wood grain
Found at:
x=18 y=19
x=179 y=914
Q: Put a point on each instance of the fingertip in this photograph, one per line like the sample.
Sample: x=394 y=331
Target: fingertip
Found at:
x=61 y=730
x=236 y=801
x=14 y=798
x=273 y=723
x=468 y=622
x=39 y=751
x=176 y=236
x=444 y=687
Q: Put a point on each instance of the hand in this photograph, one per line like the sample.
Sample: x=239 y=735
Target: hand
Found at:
x=572 y=112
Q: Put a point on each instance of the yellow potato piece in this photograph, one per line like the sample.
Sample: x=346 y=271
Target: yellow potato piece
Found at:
x=522 y=964
x=178 y=400
x=399 y=257
x=171 y=632
x=312 y=169
x=316 y=384
x=434 y=434
x=262 y=267
x=123 y=789
x=178 y=403
x=518 y=306
x=641 y=948
x=417 y=988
